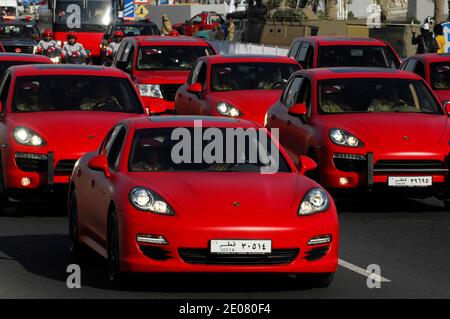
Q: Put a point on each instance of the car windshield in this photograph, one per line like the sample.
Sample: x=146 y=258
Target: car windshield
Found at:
x=173 y=57
x=440 y=75
x=168 y=150
x=135 y=30
x=18 y=31
x=358 y=95
x=74 y=93
x=251 y=76
x=92 y=13
x=4 y=65
x=352 y=55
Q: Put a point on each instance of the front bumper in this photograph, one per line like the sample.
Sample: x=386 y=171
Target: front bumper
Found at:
x=24 y=170
x=372 y=170
x=187 y=249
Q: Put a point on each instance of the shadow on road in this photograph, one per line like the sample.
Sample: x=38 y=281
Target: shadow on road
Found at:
x=47 y=256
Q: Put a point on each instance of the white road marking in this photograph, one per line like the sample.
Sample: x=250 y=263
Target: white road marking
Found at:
x=361 y=271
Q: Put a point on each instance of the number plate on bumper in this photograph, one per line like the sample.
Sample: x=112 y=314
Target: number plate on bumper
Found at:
x=410 y=181
x=237 y=247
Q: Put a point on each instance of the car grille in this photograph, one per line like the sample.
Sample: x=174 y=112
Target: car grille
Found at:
x=23 y=49
x=168 y=91
x=156 y=253
x=409 y=165
x=31 y=164
x=202 y=256
x=65 y=167
x=350 y=163
x=316 y=253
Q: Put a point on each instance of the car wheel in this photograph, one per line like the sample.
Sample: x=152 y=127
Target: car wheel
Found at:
x=114 y=273
x=320 y=280
x=6 y=208
x=314 y=174
x=74 y=242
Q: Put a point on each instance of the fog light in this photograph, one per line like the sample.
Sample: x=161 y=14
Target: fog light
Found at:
x=151 y=239
x=319 y=240
x=26 y=181
x=343 y=181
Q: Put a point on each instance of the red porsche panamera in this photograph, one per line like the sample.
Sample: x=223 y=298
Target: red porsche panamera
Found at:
x=50 y=115
x=367 y=129
x=154 y=213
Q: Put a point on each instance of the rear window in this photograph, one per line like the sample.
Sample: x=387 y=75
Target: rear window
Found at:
x=136 y=30
x=74 y=93
x=359 y=56
x=171 y=57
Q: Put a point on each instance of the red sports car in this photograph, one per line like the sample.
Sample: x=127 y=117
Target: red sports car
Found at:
x=51 y=115
x=154 y=212
x=366 y=129
x=434 y=69
x=234 y=86
x=159 y=66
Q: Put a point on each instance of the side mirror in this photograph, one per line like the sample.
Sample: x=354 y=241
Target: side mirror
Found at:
x=306 y=164
x=298 y=110
x=446 y=105
x=100 y=163
x=195 y=88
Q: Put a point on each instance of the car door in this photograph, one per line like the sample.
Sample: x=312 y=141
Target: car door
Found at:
x=193 y=103
x=101 y=186
x=277 y=116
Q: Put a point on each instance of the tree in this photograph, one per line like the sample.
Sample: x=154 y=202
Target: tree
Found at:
x=439 y=11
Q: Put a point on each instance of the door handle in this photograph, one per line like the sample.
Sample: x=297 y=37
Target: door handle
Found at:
x=93 y=183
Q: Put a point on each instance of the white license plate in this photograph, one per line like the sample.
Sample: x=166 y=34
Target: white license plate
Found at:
x=235 y=247
x=410 y=181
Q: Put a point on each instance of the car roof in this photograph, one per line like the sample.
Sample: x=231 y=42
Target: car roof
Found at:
x=215 y=59
x=168 y=40
x=24 y=57
x=66 y=69
x=340 y=40
x=189 y=121
x=357 y=72
x=432 y=57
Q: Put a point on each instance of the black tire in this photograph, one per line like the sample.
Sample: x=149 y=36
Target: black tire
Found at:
x=75 y=247
x=115 y=275
x=447 y=204
x=320 y=280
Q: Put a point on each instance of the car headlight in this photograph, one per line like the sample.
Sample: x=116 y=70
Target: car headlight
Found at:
x=315 y=201
x=226 y=109
x=152 y=90
x=146 y=200
x=26 y=136
x=343 y=138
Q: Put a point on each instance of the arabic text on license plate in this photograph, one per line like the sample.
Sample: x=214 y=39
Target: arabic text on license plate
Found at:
x=410 y=181
x=235 y=247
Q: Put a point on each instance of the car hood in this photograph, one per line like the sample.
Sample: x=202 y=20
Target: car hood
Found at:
x=443 y=95
x=161 y=77
x=393 y=130
x=253 y=102
x=69 y=131
x=212 y=195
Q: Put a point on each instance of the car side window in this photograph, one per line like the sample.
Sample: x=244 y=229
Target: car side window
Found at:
x=294 y=49
x=411 y=65
x=194 y=73
x=404 y=65
x=114 y=146
x=4 y=90
x=130 y=58
x=202 y=75
x=305 y=94
x=420 y=69
x=303 y=52
x=293 y=92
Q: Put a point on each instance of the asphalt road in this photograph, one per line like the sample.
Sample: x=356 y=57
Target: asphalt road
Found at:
x=408 y=239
